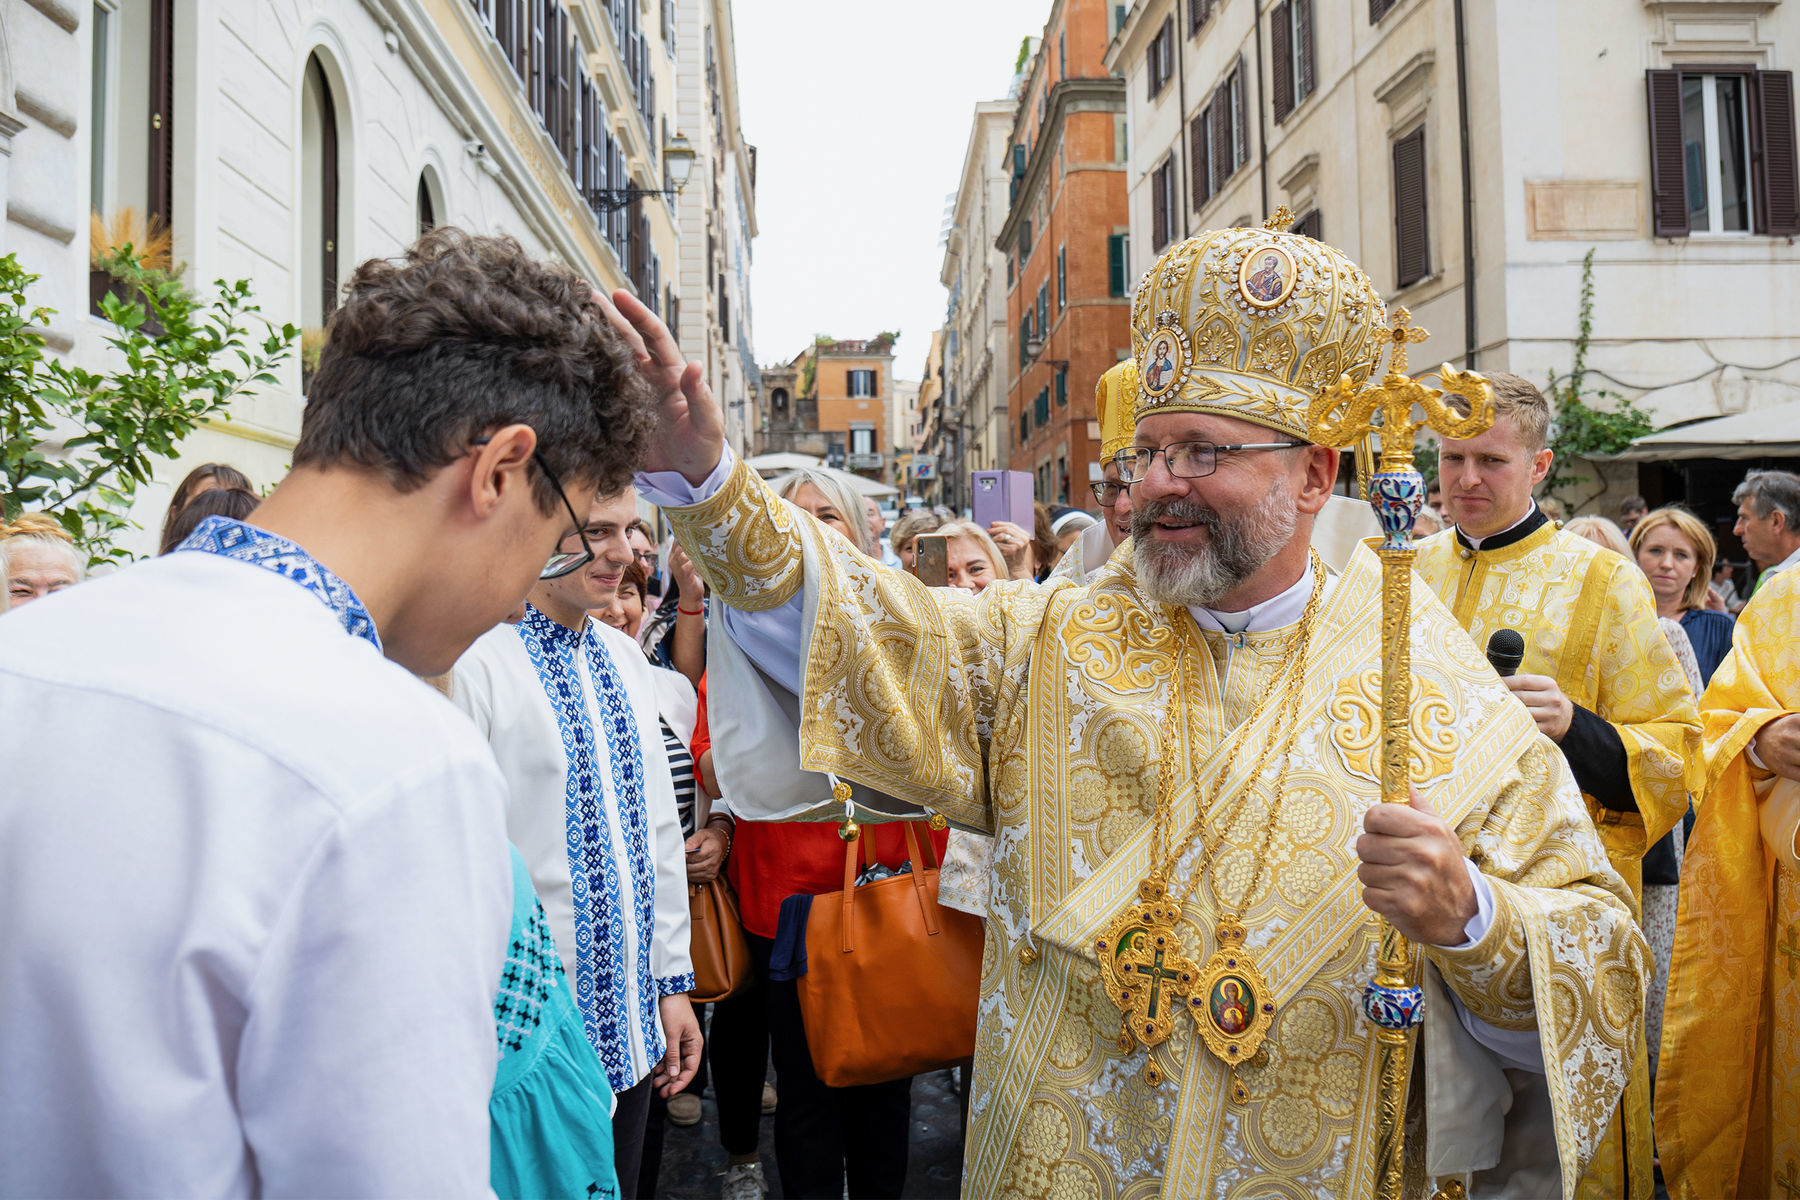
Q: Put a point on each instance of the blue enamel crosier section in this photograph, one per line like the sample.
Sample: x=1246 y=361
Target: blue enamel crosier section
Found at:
x=601 y=928
x=246 y=543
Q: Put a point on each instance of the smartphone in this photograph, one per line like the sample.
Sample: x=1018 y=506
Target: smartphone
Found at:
x=1002 y=496
x=931 y=559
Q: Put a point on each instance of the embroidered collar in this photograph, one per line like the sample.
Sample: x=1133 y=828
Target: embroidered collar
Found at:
x=246 y=543
x=551 y=630
x=1527 y=525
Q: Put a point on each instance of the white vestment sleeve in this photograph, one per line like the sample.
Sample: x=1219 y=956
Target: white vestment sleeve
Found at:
x=772 y=637
x=1517 y=1048
x=367 y=1063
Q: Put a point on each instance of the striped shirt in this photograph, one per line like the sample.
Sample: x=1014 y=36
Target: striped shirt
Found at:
x=681 y=768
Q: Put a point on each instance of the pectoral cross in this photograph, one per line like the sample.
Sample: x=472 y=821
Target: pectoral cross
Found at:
x=1789 y=1183
x=1159 y=974
x=1151 y=962
x=1791 y=948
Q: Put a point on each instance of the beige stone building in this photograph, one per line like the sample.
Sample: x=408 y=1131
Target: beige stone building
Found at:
x=1469 y=153
x=286 y=142
x=717 y=213
x=966 y=427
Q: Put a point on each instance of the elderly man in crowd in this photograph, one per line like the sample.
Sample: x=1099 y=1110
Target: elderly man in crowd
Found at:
x=1768 y=523
x=38 y=557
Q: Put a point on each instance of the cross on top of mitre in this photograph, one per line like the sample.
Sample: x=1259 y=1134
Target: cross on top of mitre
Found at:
x=1401 y=333
x=1281 y=220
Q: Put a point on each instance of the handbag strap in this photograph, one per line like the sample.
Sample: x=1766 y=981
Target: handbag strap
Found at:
x=917 y=854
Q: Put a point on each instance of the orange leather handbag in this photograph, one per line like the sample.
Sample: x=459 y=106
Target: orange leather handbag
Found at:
x=716 y=942
x=892 y=979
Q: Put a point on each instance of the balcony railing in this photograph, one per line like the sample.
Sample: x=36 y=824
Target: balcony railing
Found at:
x=865 y=462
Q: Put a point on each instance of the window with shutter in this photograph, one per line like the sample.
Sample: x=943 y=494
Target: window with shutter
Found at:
x=1115 y=264
x=1043 y=307
x=1200 y=160
x=1062 y=278
x=1198 y=11
x=1222 y=154
x=1303 y=50
x=1310 y=225
x=160 y=174
x=1159 y=207
x=540 y=11
x=1779 y=187
x=1412 y=257
x=1281 y=58
x=1062 y=387
x=1240 y=117
x=1379 y=9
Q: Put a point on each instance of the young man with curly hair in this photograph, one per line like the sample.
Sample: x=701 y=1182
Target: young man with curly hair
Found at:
x=255 y=888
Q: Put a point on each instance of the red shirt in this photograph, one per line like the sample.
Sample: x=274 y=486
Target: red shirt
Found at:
x=772 y=860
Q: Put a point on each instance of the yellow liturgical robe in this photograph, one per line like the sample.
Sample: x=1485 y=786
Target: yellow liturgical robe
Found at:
x=1035 y=714
x=1728 y=1091
x=1589 y=622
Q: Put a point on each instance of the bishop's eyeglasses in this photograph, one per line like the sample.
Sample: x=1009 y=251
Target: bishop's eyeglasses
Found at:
x=1185 y=460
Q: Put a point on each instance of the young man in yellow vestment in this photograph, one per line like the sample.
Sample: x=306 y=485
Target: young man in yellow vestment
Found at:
x=1598 y=678
x=1728 y=1095
x=1197 y=728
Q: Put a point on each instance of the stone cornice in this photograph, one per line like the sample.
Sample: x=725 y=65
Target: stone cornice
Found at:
x=1069 y=96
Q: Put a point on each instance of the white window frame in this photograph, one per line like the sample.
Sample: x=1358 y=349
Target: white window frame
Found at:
x=1715 y=183
x=107 y=150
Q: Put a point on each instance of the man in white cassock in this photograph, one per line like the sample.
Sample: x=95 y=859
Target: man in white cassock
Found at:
x=1179 y=762
x=255 y=889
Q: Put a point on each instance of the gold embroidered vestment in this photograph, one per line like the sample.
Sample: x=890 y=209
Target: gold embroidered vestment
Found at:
x=1728 y=1088
x=1033 y=713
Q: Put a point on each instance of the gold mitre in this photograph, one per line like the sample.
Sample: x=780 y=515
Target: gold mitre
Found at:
x=1115 y=402
x=1253 y=324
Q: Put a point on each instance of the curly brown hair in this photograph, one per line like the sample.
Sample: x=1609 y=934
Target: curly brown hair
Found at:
x=462 y=335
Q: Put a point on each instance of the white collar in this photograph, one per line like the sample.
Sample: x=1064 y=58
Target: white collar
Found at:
x=1283 y=608
x=1792 y=560
x=1475 y=542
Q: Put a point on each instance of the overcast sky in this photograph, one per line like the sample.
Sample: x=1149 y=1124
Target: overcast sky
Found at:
x=860 y=114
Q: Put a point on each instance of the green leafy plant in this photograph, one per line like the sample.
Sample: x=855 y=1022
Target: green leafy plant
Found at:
x=1578 y=429
x=124 y=418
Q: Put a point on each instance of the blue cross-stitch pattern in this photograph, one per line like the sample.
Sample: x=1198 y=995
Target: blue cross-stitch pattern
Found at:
x=247 y=543
x=600 y=928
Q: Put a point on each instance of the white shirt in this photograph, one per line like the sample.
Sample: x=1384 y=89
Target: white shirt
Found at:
x=772 y=639
x=619 y=913
x=254 y=899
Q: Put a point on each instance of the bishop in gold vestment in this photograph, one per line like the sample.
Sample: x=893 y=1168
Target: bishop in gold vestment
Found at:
x=1728 y=1092
x=1042 y=715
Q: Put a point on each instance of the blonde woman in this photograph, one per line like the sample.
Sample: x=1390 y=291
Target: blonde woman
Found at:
x=1677 y=552
x=831 y=500
x=973 y=558
x=37 y=557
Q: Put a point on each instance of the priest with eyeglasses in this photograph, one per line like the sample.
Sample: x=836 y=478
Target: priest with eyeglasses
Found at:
x=1179 y=761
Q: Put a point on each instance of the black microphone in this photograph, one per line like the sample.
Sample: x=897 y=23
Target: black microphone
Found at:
x=1505 y=651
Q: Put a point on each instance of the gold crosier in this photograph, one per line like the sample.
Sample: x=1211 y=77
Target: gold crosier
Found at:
x=1339 y=417
x=1147 y=974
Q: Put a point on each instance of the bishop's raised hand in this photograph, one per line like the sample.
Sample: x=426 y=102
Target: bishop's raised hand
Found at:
x=690 y=437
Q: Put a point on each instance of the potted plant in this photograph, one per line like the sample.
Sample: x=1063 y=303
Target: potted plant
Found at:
x=125 y=252
x=312 y=344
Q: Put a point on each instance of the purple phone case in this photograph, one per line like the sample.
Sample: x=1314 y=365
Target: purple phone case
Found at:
x=1002 y=496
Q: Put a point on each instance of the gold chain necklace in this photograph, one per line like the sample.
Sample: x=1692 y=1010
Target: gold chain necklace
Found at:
x=1147 y=974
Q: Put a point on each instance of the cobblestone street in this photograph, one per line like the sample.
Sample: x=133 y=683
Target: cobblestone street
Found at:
x=693 y=1163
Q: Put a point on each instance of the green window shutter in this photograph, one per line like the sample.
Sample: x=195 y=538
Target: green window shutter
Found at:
x=1062 y=387
x=1115 y=264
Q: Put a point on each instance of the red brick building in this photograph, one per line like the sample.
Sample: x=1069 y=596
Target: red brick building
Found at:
x=1066 y=250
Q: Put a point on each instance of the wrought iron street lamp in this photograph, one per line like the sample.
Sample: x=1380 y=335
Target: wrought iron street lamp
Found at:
x=678 y=159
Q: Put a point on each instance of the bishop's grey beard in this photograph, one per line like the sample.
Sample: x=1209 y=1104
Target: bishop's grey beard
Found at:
x=1236 y=547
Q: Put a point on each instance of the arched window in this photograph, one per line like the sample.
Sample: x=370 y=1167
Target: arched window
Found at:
x=427 y=211
x=318 y=196
x=430 y=203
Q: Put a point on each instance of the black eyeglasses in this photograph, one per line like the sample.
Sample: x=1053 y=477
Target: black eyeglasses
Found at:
x=1106 y=492
x=1185 y=460
x=563 y=562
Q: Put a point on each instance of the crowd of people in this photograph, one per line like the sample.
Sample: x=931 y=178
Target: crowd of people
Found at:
x=334 y=935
